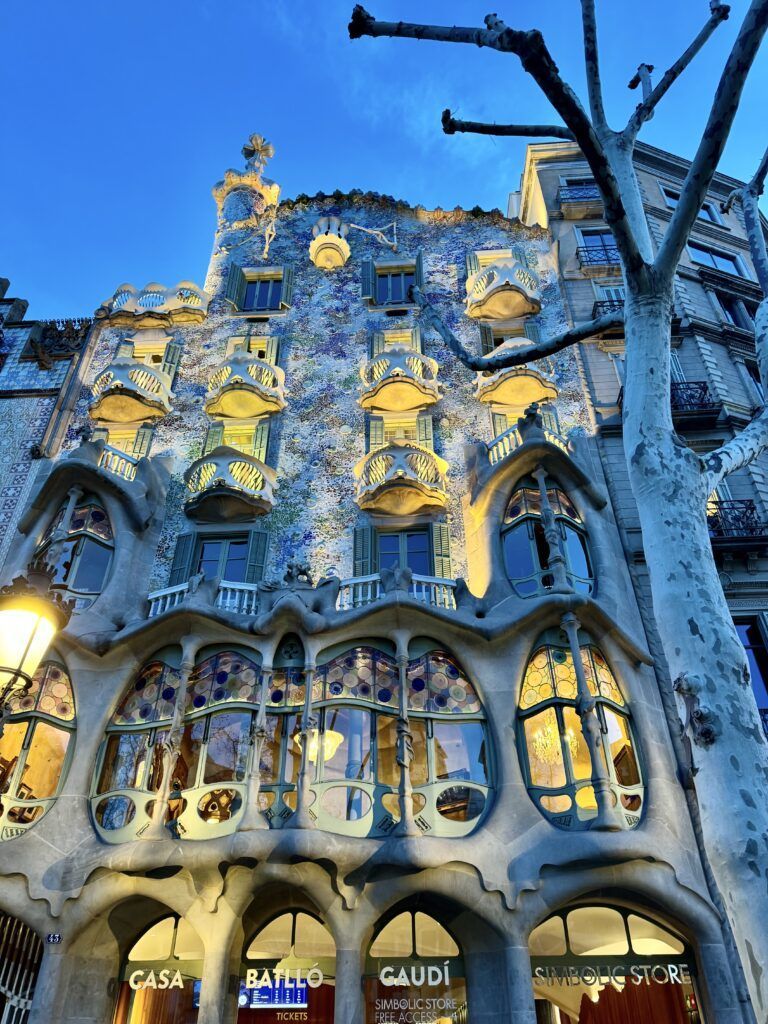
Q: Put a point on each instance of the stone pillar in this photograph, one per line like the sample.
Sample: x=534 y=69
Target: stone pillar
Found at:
x=519 y=985
x=216 y=986
x=349 y=1007
x=75 y=988
x=301 y=818
x=407 y=825
x=607 y=818
x=253 y=818
x=557 y=566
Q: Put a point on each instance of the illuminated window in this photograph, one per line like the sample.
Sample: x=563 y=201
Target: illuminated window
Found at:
x=526 y=550
x=34 y=748
x=83 y=556
x=555 y=753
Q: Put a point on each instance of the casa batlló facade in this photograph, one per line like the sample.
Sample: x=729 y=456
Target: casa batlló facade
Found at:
x=359 y=714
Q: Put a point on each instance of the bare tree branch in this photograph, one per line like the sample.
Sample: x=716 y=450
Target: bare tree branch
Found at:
x=644 y=110
x=704 y=163
x=750 y=195
x=451 y=125
x=592 y=63
x=519 y=356
x=537 y=61
x=737 y=452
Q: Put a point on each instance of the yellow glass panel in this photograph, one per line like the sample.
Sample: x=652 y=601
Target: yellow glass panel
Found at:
x=537 y=685
x=391 y=804
x=432 y=939
x=273 y=942
x=577 y=745
x=649 y=939
x=556 y=804
x=565 y=676
x=548 y=939
x=312 y=938
x=545 y=754
x=123 y=440
x=589 y=671
x=188 y=945
x=620 y=746
x=240 y=437
x=156 y=942
x=419 y=769
x=585 y=798
x=608 y=685
x=387 y=767
x=395 y=939
x=43 y=763
x=597 y=930
x=10 y=748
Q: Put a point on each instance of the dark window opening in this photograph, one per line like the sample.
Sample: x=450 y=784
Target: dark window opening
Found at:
x=264 y=293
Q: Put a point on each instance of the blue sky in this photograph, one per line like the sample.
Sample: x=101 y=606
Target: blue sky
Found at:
x=119 y=117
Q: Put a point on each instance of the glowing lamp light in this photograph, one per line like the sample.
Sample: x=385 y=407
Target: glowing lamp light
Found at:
x=30 y=617
x=333 y=741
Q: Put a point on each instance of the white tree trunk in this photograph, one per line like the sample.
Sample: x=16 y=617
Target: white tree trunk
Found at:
x=705 y=656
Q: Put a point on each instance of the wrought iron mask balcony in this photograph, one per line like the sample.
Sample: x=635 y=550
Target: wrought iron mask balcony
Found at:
x=503 y=290
x=245 y=386
x=736 y=522
x=228 y=484
x=692 y=396
x=604 y=306
x=399 y=380
x=129 y=392
x=401 y=478
x=515 y=385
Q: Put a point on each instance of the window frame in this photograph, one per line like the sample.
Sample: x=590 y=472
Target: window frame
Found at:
x=738 y=263
x=711 y=207
x=73 y=546
x=225 y=539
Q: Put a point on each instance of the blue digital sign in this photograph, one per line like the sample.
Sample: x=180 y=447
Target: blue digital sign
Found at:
x=280 y=996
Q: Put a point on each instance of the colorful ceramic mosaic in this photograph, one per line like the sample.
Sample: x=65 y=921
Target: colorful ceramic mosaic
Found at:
x=436 y=684
x=362 y=674
x=550 y=673
x=151 y=698
x=223 y=679
x=50 y=694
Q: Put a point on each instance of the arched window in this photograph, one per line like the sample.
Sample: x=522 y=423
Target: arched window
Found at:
x=290 y=964
x=34 y=747
x=160 y=980
x=599 y=963
x=80 y=550
x=413 y=957
x=526 y=551
x=555 y=753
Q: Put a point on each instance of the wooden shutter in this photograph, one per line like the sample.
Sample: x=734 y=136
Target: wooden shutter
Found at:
x=100 y=434
x=258 y=544
x=473 y=264
x=261 y=440
x=181 y=568
x=124 y=350
x=171 y=359
x=238 y=344
x=235 y=291
x=441 y=551
x=375 y=432
x=213 y=438
x=416 y=340
x=424 y=432
x=378 y=343
x=286 y=294
x=273 y=350
x=365 y=551
x=418 y=272
x=487 y=340
x=531 y=330
x=143 y=440
x=368 y=281
x=500 y=422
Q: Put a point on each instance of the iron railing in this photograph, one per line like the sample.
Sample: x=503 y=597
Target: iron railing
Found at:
x=597 y=255
x=604 y=306
x=691 y=396
x=578 y=194
x=734 y=517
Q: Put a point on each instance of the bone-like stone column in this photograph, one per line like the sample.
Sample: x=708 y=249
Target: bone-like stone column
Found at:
x=301 y=817
x=253 y=818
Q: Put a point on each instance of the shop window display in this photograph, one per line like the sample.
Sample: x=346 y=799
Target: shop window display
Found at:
x=599 y=964
x=415 y=971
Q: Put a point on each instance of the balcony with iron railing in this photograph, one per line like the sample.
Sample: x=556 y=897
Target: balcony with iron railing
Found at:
x=692 y=402
x=399 y=379
x=130 y=392
x=599 y=260
x=401 y=478
x=579 y=201
x=736 y=524
x=229 y=484
x=602 y=307
x=245 y=386
x=356 y=592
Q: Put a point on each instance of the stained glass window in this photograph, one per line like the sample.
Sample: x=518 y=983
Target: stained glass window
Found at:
x=83 y=556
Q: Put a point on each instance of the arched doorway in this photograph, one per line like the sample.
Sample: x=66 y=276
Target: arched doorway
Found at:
x=414 y=971
x=20 y=954
x=288 y=968
x=600 y=964
x=161 y=976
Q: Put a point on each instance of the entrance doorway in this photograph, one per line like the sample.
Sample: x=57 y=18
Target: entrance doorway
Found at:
x=288 y=973
x=600 y=964
x=20 y=954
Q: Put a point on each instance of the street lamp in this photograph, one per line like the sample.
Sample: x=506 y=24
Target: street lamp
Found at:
x=30 y=617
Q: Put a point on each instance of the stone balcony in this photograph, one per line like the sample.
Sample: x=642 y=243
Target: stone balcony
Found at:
x=155 y=305
x=402 y=478
x=517 y=386
x=502 y=290
x=229 y=484
x=399 y=379
x=578 y=202
x=245 y=387
x=130 y=392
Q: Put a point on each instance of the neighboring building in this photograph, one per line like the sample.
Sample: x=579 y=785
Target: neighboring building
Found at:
x=360 y=714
